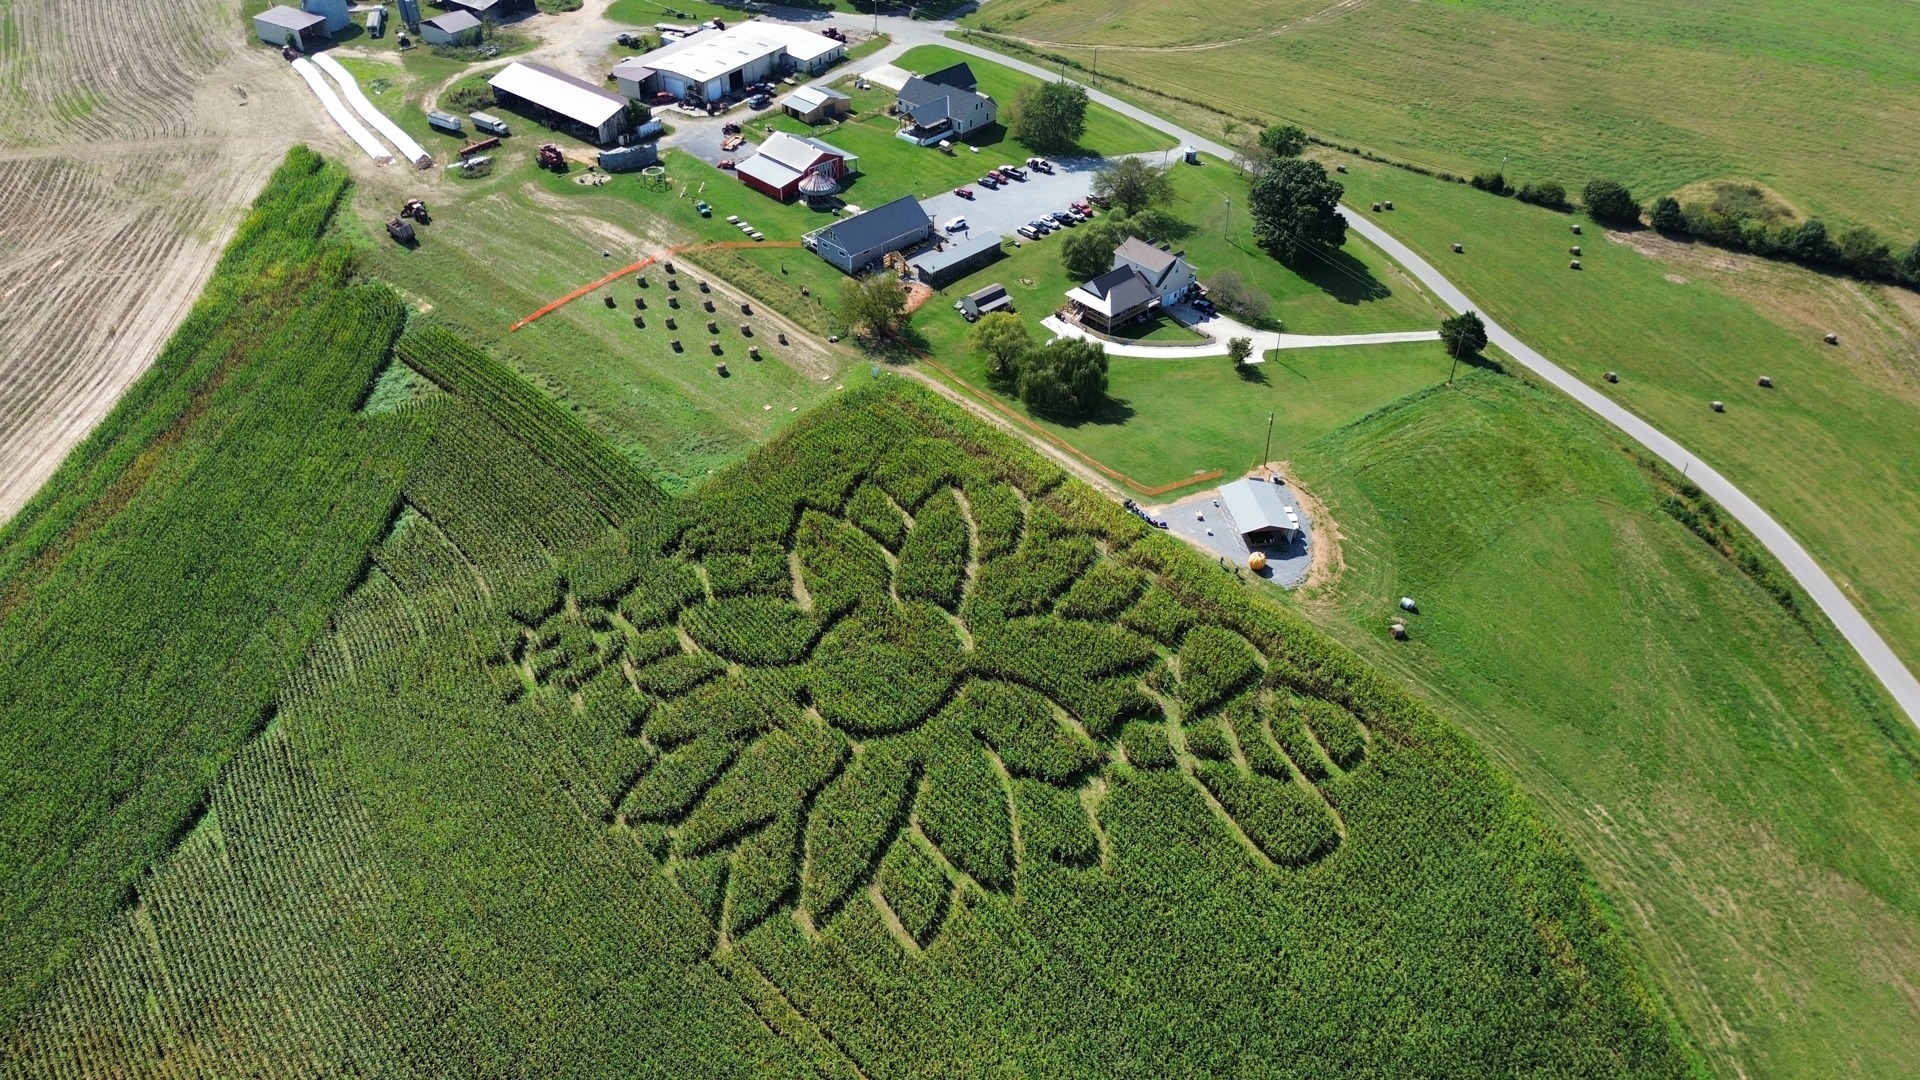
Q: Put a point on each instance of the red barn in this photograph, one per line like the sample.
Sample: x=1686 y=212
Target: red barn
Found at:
x=783 y=159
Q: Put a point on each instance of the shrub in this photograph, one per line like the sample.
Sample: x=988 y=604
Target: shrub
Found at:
x=1283 y=140
x=1491 y=180
x=1234 y=295
x=469 y=94
x=1667 y=217
x=1239 y=350
x=1547 y=193
x=1610 y=203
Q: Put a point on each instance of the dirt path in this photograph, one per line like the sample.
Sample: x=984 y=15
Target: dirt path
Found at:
x=120 y=182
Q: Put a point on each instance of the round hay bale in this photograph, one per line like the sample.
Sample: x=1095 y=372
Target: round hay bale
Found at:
x=675 y=343
x=753 y=351
x=1766 y=381
x=804 y=291
x=640 y=303
x=746 y=330
x=720 y=366
x=1398 y=630
x=640 y=280
x=1611 y=376
x=781 y=337
x=1833 y=339
x=640 y=322
x=1459 y=249
x=674 y=284
x=611 y=302
x=746 y=308
x=713 y=326
x=715 y=346
x=703 y=285
x=1574 y=265
x=1257 y=561
x=1576 y=228
x=1339 y=168
x=1389 y=204
x=1574 y=250
x=670 y=267
x=1376 y=208
x=1407 y=604
x=1719 y=406
x=673 y=302
x=708 y=304
x=670 y=323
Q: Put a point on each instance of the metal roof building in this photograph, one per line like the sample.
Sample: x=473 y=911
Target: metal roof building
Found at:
x=282 y=25
x=955 y=261
x=600 y=114
x=452 y=28
x=708 y=66
x=855 y=243
x=784 y=159
x=815 y=103
x=1112 y=299
x=1259 y=512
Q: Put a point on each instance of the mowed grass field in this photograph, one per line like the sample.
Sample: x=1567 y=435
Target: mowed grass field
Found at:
x=1815 y=102
x=1833 y=450
x=1741 y=791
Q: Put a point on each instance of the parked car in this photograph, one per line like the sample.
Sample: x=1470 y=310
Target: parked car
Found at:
x=705 y=210
x=1059 y=217
x=1040 y=164
x=1028 y=231
x=1042 y=226
x=965 y=193
x=1014 y=171
x=957 y=224
x=989 y=183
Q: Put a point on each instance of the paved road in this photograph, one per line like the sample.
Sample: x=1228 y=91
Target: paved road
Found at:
x=1873 y=649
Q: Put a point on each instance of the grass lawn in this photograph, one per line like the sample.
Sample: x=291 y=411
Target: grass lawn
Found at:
x=646 y=12
x=1833 y=450
x=501 y=247
x=1724 y=771
x=1637 y=90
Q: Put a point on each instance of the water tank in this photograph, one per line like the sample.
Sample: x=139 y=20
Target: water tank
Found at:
x=334 y=11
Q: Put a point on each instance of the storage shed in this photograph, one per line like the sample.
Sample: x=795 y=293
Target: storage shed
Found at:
x=784 y=159
x=632 y=76
x=575 y=105
x=986 y=301
x=956 y=260
x=453 y=28
x=817 y=104
x=855 y=243
x=630 y=158
x=281 y=25
x=1259 y=512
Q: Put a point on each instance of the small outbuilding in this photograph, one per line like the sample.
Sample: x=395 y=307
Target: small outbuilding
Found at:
x=630 y=158
x=487 y=9
x=574 y=105
x=632 y=76
x=453 y=28
x=1259 y=512
x=281 y=26
x=956 y=260
x=986 y=301
x=853 y=244
x=784 y=160
x=817 y=104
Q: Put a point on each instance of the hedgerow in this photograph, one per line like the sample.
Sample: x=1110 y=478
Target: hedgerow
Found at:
x=1022 y=728
x=963 y=809
x=1288 y=825
x=933 y=559
x=874 y=514
x=759 y=630
x=855 y=817
x=1214 y=664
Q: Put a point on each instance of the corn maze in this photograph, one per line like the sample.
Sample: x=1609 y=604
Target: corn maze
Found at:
x=889 y=752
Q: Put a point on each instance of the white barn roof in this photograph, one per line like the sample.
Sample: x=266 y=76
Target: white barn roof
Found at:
x=710 y=56
x=809 y=98
x=572 y=98
x=453 y=22
x=1255 y=505
x=290 y=18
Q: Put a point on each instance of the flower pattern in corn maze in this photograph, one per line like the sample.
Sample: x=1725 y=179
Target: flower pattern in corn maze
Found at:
x=900 y=700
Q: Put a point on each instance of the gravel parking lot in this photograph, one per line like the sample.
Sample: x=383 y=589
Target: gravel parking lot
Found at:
x=1199 y=518
x=1017 y=203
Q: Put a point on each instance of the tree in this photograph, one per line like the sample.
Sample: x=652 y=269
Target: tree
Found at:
x=1232 y=294
x=1667 y=216
x=1051 y=116
x=1239 y=350
x=1285 y=140
x=1087 y=252
x=1908 y=268
x=874 y=306
x=1492 y=180
x=1066 y=377
x=1003 y=337
x=1464 y=335
x=1610 y=203
x=1133 y=184
x=1253 y=158
x=1296 y=210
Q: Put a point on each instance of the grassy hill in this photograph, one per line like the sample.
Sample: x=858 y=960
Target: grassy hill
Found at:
x=1743 y=792
x=888 y=752
x=1655 y=93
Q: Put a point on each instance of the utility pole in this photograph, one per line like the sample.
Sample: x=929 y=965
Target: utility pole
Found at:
x=1267 y=454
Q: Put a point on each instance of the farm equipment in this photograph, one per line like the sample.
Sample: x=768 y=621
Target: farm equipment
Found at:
x=628 y=41
x=473 y=148
x=416 y=210
x=401 y=231
x=550 y=157
x=732 y=142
